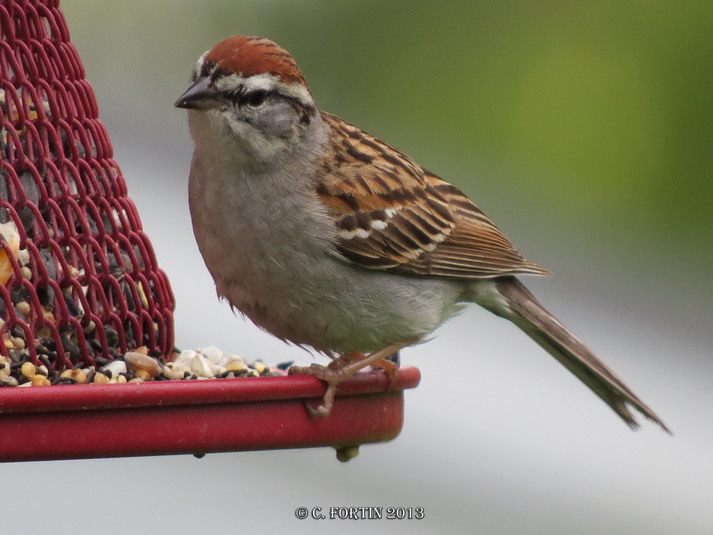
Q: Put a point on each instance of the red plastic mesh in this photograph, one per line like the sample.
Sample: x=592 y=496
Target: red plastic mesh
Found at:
x=82 y=284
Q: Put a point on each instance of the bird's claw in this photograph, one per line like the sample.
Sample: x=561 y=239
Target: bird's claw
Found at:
x=331 y=376
x=343 y=368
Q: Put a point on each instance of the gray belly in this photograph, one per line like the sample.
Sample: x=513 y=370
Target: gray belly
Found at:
x=333 y=306
x=272 y=257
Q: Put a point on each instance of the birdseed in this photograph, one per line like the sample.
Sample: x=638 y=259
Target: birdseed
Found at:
x=135 y=366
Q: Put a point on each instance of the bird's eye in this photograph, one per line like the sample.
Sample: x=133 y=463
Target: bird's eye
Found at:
x=256 y=98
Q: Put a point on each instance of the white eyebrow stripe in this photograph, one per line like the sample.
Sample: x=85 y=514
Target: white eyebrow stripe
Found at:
x=264 y=82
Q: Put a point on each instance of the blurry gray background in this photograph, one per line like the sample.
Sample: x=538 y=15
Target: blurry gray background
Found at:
x=585 y=130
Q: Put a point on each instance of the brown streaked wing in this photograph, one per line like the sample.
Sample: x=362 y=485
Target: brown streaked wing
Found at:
x=475 y=248
x=392 y=214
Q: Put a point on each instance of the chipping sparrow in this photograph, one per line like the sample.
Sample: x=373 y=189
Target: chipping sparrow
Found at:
x=327 y=237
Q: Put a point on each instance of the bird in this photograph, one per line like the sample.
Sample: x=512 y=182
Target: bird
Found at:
x=331 y=239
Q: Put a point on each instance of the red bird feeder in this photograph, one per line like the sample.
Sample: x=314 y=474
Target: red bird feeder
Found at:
x=80 y=287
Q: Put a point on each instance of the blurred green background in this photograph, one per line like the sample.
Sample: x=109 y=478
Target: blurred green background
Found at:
x=583 y=129
x=590 y=122
x=603 y=110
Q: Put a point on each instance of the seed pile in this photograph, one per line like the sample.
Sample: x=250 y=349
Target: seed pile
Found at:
x=135 y=367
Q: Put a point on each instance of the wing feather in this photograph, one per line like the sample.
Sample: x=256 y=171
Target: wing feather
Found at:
x=393 y=214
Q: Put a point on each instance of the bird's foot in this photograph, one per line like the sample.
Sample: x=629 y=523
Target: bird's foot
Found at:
x=344 y=367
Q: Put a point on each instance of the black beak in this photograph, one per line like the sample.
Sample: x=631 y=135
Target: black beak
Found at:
x=201 y=95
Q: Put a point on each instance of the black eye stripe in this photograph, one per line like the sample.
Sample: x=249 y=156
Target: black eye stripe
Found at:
x=255 y=97
x=241 y=96
x=206 y=69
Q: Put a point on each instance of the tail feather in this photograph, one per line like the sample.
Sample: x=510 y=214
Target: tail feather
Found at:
x=523 y=309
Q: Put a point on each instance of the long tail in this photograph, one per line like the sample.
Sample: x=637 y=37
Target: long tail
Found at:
x=522 y=308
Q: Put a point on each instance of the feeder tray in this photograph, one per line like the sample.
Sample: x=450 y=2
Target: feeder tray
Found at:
x=172 y=417
x=80 y=287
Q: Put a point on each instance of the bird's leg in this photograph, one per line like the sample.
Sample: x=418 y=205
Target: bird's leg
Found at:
x=389 y=364
x=344 y=367
x=345 y=358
